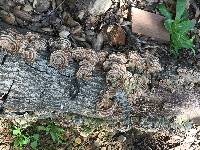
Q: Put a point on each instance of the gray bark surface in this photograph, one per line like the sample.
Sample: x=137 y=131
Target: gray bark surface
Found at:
x=39 y=87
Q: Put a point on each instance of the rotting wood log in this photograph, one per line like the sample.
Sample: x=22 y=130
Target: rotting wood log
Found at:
x=36 y=86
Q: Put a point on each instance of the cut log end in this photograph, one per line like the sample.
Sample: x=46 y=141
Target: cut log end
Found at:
x=149 y=24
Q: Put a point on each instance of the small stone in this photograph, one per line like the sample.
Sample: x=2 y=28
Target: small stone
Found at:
x=189 y=139
x=98 y=42
x=81 y=14
x=25 y=16
x=122 y=138
x=150 y=2
x=7 y=17
x=10 y=19
x=100 y=7
x=20 y=1
x=97 y=143
x=76 y=30
x=47 y=29
x=109 y=147
x=61 y=148
x=193 y=132
x=5 y=147
x=1 y=108
x=176 y=138
x=198 y=63
x=28 y=8
x=41 y=5
x=103 y=148
x=78 y=140
x=83 y=134
x=64 y=34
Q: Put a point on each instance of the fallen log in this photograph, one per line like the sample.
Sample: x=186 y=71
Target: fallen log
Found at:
x=32 y=84
x=37 y=86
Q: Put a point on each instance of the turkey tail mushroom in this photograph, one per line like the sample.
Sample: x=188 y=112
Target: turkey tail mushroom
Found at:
x=59 y=58
x=9 y=43
x=65 y=43
x=85 y=70
x=29 y=55
x=60 y=43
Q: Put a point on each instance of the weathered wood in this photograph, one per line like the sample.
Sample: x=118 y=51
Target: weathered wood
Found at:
x=39 y=87
x=149 y=24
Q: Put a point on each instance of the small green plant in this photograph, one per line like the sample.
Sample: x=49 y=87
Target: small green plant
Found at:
x=35 y=138
x=20 y=139
x=178 y=27
x=90 y=124
x=53 y=130
x=31 y=137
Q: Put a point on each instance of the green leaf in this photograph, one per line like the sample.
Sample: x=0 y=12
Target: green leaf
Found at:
x=163 y=10
x=176 y=43
x=60 y=130
x=179 y=41
x=185 y=26
x=41 y=128
x=54 y=136
x=178 y=28
x=35 y=140
x=35 y=136
x=25 y=140
x=180 y=8
x=168 y=24
x=16 y=143
x=186 y=42
x=185 y=15
x=17 y=131
x=34 y=144
x=48 y=128
x=60 y=141
x=174 y=51
x=193 y=51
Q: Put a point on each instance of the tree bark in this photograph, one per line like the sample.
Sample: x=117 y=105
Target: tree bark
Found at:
x=37 y=86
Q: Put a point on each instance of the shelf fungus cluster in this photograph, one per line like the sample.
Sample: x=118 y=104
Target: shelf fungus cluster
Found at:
x=130 y=73
x=186 y=78
x=148 y=63
x=87 y=58
x=61 y=52
x=26 y=45
x=106 y=107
